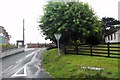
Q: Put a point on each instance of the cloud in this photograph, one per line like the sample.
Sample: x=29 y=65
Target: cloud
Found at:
x=12 y=13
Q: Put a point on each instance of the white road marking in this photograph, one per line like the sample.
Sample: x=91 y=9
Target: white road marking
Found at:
x=30 y=54
x=20 y=75
x=37 y=65
x=17 y=74
x=41 y=69
x=7 y=69
x=19 y=61
x=26 y=49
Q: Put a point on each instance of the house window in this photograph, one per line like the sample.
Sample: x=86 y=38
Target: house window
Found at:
x=114 y=36
x=111 y=37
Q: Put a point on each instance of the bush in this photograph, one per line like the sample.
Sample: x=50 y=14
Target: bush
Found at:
x=94 y=39
x=7 y=46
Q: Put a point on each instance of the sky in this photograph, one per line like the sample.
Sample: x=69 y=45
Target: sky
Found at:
x=12 y=13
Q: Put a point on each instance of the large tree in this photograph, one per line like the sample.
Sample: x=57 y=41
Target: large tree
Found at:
x=76 y=21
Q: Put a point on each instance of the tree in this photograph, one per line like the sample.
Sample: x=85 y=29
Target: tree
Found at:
x=108 y=21
x=76 y=21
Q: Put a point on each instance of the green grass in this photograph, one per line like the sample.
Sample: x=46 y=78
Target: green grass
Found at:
x=69 y=66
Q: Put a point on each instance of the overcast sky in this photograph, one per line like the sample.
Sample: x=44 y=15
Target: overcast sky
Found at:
x=12 y=13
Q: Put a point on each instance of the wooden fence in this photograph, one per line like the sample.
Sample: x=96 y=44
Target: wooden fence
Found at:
x=106 y=49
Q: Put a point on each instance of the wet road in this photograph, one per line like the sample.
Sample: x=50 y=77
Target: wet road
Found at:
x=24 y=65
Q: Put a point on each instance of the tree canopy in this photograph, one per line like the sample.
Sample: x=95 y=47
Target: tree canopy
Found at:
x=76 y=21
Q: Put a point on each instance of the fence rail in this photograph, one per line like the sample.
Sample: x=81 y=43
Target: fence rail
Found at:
x=106 y=49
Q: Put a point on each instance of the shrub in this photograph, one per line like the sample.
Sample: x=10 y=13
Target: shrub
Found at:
x=94 y=39
x=7 y=46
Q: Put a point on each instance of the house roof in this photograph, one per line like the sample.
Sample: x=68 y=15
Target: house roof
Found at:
x=3 y=32
x=112 y=30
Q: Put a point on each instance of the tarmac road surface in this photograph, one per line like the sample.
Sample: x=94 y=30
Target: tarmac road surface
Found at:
x=24 y=65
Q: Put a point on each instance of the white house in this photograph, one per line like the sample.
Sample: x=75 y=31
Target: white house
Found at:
x=113 y=36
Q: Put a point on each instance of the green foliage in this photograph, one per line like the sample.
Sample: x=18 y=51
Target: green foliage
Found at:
x=108 y=21
x=7 y=46
x=74 y=20
x=94 y=39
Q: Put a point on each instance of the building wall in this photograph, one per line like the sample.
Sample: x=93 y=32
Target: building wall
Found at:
x=115 y=37
x=119 y=36
x=3 y=40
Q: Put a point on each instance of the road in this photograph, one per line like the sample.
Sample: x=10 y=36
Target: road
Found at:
x=24 y=65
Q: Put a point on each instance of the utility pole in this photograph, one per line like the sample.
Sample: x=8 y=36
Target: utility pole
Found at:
x=23 y=34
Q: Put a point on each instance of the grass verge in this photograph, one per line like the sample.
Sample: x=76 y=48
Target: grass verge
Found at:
x=69 y=65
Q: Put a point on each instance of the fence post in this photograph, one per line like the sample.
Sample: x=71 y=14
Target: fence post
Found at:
x=76 y=49
x=91 y=49
x=65 y=48
x=108 y=45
